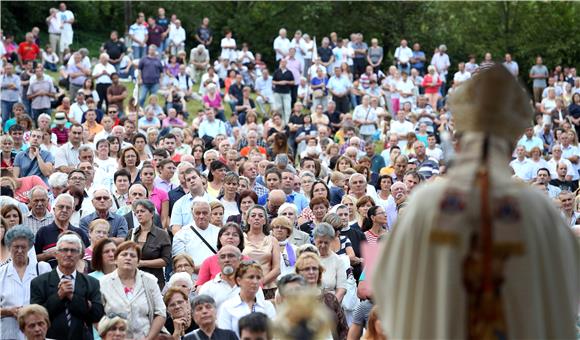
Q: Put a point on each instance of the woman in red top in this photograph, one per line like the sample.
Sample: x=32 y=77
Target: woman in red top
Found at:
x=431 y=84
x=8 y=155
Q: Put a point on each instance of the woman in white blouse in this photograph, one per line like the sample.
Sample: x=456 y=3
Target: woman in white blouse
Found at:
x=102 y=74
x=228 y=45
x=15 y=277
x=129 y=291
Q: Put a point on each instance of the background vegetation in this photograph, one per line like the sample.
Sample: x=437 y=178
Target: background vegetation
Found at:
x=524 y=29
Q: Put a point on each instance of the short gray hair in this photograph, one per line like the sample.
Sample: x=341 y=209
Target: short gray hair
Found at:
x=180 y=276
x=202 y=299
x=323 y=230
x=70 y=238
x=334 y=220
x=64 y=196
x=145 y=204
x=85 y=148
x=197 y=202
x=18 y=232
x=37 y=188
x=58 y=179
x=287 y=205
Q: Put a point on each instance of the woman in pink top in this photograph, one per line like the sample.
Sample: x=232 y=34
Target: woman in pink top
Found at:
x=24 y=185
x=431 y=83
x=374 y=224
x=213 y=99
x=230 y=234
x=157 y=196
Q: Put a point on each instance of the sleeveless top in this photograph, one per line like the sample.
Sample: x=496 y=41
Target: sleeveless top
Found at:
x=261 y=253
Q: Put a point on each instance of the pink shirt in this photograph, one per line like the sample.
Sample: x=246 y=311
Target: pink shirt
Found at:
x=215 y=103
x=210 y=268
x=158 y=196
x=27 y=183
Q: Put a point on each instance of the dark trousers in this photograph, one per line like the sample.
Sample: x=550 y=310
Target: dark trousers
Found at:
x=342 y=104
x=293 y=95
x=359 y=66
x=102 y=91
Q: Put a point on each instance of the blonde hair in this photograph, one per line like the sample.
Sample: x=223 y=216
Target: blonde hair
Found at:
x=97 y=222
x=25 y=311
x=310 y=256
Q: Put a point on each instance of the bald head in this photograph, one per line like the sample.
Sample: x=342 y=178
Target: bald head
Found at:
x=229 y=249
x=276 y=197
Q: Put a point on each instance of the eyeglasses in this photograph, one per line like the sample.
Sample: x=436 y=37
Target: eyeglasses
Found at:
x=77 y=178
x=69 y=250
x=63 y=207
x=247 y=262
x=101 y=198
x=278 y=227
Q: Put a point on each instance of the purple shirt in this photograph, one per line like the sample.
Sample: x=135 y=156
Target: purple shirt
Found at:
x=151 y=69
x=295 y=66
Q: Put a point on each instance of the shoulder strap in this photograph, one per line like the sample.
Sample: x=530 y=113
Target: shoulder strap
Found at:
x=203 y=240
x=37 y=271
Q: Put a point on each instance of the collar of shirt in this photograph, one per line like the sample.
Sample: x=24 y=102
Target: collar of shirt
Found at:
x=47 y=215
x=60 y=274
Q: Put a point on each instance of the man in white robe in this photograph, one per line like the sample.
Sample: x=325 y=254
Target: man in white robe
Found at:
x=428 y=281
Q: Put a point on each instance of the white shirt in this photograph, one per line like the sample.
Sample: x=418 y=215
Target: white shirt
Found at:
x=306 y=48
x=177 y=35
x=296 y=45
x=221 y=291
x=76 y=111
x=232 y=310
x=403 y=54
x=105 y=78
x=54 y=24
x=66 y=155
x=405 y=87
x=441 y=63
x=246 y=57
x=138 y=32
x=215 y=80
x=553 y=166
x=283 y=45
x=228 y=49
x=66 y=16
x=264 y=86
x=436 y=153
x=187 y=241
x=401 y=128
x=16 y=292
x=523 y=169
x=460 y=77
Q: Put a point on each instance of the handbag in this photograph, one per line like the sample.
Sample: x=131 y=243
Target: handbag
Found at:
x=318 y=93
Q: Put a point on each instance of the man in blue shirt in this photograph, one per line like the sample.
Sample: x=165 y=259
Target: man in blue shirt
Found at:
x=150 y=69
x=34 y=161
x=339 y=87
x=291 y=196
x=418 y=59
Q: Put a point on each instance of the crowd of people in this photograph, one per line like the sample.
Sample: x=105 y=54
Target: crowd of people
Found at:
x=124 y=216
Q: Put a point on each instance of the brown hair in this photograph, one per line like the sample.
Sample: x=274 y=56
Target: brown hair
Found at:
x=371 y=332
x=172 y=291
x=97 y=259
x=364 y=200
x=122 y=156
x=128 y=245
x=183 y=256
x=97 y=222
x=8 y=208
x=319 y=200
x=247 y=265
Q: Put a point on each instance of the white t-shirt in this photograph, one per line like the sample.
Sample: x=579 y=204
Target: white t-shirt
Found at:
x=461 y=77
x=282 y=44
x=305 y=47
x=436 y=153
x=228 y=49
x=404 y=54
x=105 y=78
x=66 y=16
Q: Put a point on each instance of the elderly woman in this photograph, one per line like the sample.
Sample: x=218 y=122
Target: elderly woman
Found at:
x=290 y=211
x=334 y=278
x=431 y=83
x=98 y=230
x=157 y=196
x=129 y=160
x=213 y=99
x=319 y=207
x=112 y=328
x=248 y=276
x=183 y=263
x=216 y=175
x=262 y=248
x=179 y=319
x=154 y=241
x=230 y=234
x=311 y=268
x=282 y=230
x=183 y=281
x=103 y=259
x=132 y=292
x=33 y=321
x=246 y=199
x=16 y=276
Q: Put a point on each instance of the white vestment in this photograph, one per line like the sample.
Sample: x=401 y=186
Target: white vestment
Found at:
x=418 y=280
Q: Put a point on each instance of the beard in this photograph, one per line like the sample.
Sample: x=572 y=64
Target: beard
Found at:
x=228 y=270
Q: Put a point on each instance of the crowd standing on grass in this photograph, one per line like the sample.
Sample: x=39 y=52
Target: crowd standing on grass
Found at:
x=125 y=215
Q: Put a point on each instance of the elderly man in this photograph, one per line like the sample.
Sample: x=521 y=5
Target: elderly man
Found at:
x=181 y=189
x=223 y=286
x=204 y=309
x=566 y=200
x=34 y=161
x=275 y=199
x=522 y=166
x=47 y=236
x=357 y=184
x=137 y=191
x=199 y=238
x=199 y=60
x=102 y=202
x=72 y=299
x=39 y=216
x=66 y=157
x=481 y=256
x=181 y=214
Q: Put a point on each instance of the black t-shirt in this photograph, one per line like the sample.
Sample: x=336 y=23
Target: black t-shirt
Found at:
x=298 y=120
x=114 y=49
x=236 y=90
x=334 y=118
x=204 y=33
x=565 y=185
x=280 y=76
x=325 y=53
x=163 y=22
x=218 y=334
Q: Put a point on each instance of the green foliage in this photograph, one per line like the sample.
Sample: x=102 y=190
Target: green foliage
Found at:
x=524 y=29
